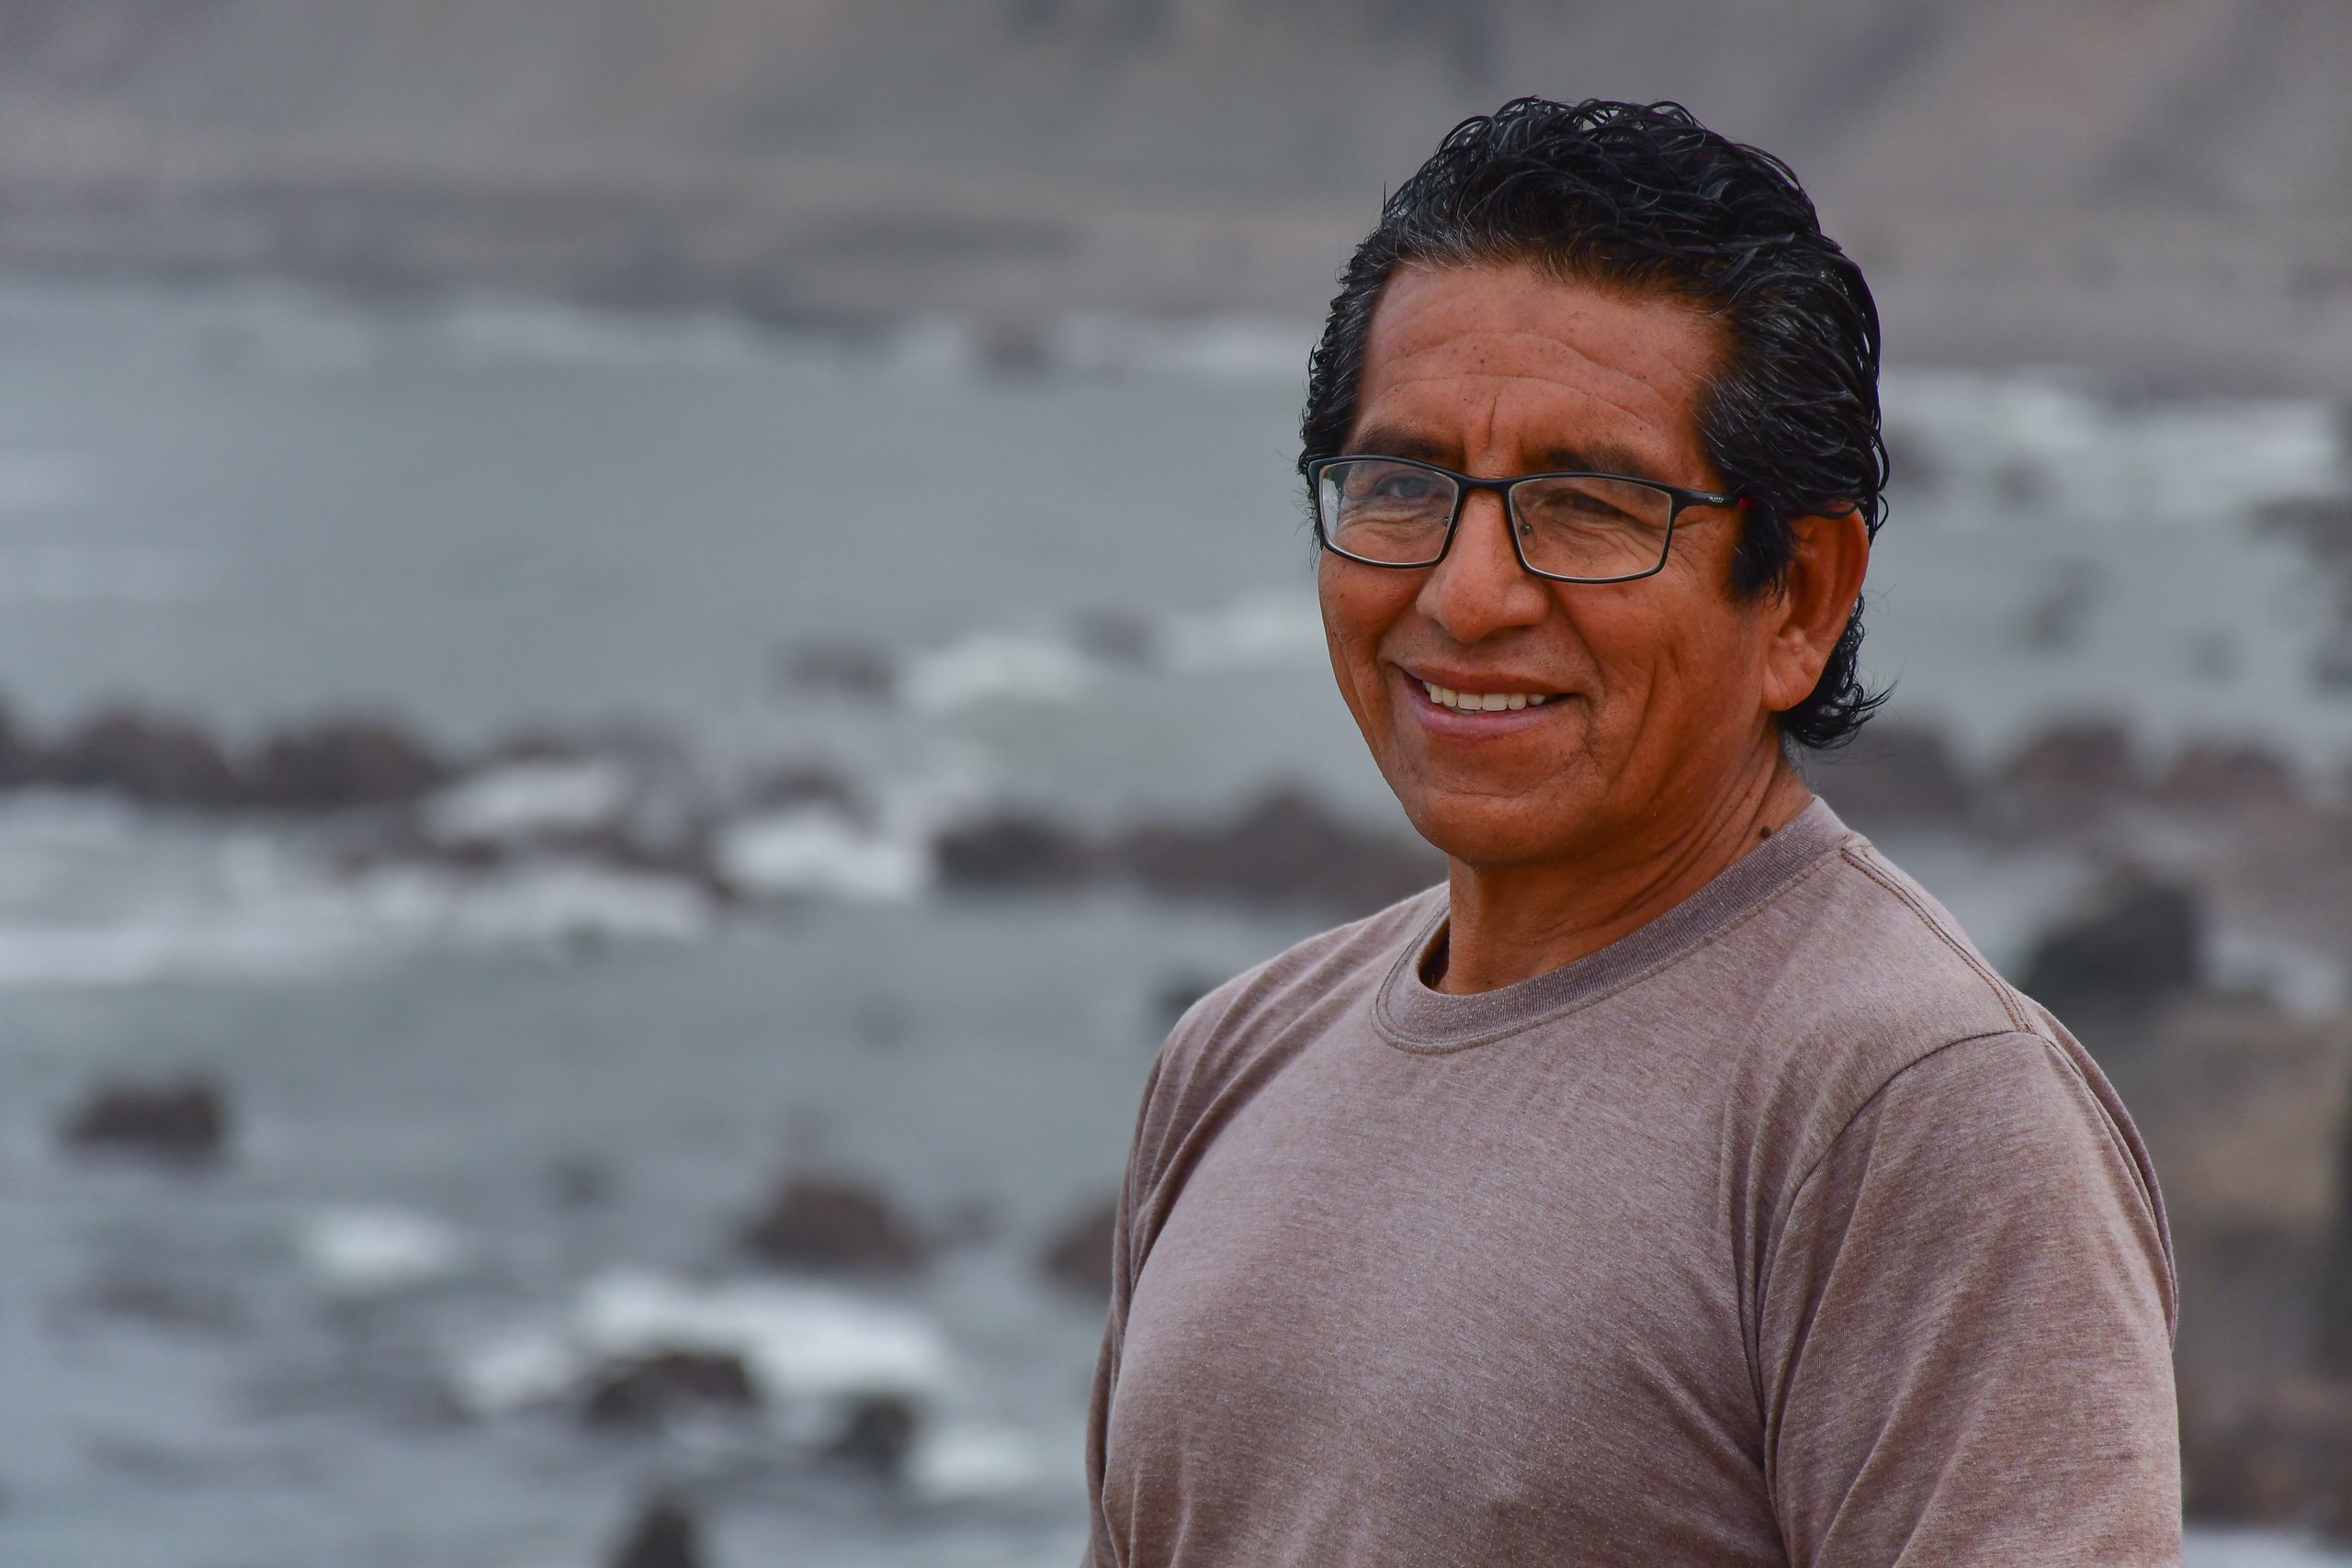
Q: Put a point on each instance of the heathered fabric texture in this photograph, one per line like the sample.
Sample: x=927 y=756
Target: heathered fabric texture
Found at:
x=1781 y=1230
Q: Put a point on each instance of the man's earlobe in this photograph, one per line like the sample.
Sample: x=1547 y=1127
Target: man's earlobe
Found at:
x=1828 y=558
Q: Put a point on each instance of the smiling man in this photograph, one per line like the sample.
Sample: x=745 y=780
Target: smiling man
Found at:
x=1675 y=1185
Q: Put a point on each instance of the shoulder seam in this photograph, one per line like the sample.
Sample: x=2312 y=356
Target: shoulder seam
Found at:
x=1796 y=1193
x=2000 y=988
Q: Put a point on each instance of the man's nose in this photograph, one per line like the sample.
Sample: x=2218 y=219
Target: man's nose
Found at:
x=1479 y=588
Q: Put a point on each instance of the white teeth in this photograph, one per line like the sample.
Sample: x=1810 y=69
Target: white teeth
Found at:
x=1483 y=701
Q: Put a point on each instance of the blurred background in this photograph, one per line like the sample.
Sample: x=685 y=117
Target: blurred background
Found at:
x=647 y=647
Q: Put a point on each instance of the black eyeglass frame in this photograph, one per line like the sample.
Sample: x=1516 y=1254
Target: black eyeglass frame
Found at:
x=1464 y=485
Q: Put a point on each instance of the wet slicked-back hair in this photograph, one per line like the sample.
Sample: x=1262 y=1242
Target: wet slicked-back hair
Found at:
x=1645 y=199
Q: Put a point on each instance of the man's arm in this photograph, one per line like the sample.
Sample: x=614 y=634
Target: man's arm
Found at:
x=1964 y=1338
x=1101 y=1549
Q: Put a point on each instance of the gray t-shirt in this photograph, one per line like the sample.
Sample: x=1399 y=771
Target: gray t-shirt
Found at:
x=1781 y=1230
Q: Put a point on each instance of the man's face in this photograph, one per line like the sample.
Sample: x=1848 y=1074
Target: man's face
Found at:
x=1654 y=688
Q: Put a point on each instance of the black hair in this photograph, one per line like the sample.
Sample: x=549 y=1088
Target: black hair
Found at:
x=1643 y=197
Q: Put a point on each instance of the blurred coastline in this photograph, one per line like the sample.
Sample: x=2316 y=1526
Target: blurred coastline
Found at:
x=644 y=657
x=2158 y=193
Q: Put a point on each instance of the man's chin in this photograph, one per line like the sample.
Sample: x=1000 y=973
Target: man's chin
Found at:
x=1492 y=831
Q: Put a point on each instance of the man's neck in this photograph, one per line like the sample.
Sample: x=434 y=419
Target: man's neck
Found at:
x=1511 y=923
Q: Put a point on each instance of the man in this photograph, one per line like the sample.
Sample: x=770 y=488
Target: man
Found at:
x=1675 y=1185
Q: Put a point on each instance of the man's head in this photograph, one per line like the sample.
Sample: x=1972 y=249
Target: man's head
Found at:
x=1613 y=288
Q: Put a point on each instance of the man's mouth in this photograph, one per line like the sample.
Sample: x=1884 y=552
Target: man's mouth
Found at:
x=1483 y=702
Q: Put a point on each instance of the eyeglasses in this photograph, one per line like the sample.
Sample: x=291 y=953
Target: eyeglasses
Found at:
x=1569 y=528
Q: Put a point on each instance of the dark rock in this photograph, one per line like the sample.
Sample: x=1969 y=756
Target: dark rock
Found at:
x=877 y=1435
x=2332 y=1313
x=1012 y=852
x=581 y=1183
x=839 y=669
x=2143 y=947
x=161 y=1301
x=1286 y=850
x=663 y=1535
x=2073 y=773
x=153 y=760
x=1080 y=1258
x=19 y=757
x=816 y=1224
x=2054 y=619
x=803 y=784
x=649 y=1390
x=2216 y=778
x=184 y=1122
x=1895 y=773
x=2280 y=1458
x=1114 y=637
x=342 y=763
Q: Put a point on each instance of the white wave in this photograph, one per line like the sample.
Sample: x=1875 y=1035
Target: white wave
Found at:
x=93 y=893
x=958 y=1460
x=995 y=666
x=2300 y=982
x=549 y=900
x=2209 y=1548
x=2085 y=454
x=155 y=947
x=816 y=851
x=502 y=331
x=376 y=1251
x=516 y=1371
x=933 y=346
x=516 y=800
x=1219 y=348
x=800 y=1342
x=1255 y=631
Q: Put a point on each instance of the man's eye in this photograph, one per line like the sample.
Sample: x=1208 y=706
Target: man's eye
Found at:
x=1404 y=487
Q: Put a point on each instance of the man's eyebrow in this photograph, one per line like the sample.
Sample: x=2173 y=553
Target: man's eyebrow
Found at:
x=1601 y=457
x=1389 y=441
x=1606 y=457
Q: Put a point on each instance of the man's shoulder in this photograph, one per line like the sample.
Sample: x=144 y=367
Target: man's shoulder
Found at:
x=1305 y=984
x=1865 y=949
x=1870 y=976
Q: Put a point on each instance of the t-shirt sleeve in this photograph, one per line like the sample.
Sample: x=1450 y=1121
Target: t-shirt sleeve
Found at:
x=1100 y=1551
x=1964 y=1331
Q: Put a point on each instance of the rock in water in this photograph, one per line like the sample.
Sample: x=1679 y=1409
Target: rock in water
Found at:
x=153 y=760
x=1080 y=1258
x=1895 y=774
x=342 y=763
x=663 y=1535
x=1013 y=852
x=2143 y=946
x=876 y=1438
x=2073 y=773
x=184 y=1122
x=816 y=1224
x=649 y=1389
x=1284 y=851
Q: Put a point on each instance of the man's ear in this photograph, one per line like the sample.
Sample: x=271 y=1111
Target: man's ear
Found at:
x=1828 y=556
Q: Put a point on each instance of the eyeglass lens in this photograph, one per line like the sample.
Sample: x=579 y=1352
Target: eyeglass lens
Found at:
x=1397 y=514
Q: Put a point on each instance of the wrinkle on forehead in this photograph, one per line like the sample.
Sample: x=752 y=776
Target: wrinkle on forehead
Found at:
x=1513 y=355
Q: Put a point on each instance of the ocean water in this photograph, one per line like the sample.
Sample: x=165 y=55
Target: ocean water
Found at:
x=493 y=1131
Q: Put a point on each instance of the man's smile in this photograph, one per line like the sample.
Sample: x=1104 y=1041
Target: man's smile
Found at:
x=1462 y=703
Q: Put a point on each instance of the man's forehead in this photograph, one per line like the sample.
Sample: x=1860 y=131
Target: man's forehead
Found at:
x=1513 y=346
